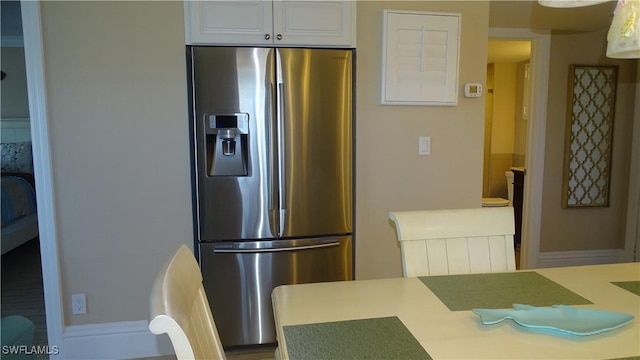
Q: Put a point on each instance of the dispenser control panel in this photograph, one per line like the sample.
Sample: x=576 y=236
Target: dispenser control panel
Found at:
x=238 y=121
x=226 y=150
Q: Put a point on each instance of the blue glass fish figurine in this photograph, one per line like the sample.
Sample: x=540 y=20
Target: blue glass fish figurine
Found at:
x=558 y=319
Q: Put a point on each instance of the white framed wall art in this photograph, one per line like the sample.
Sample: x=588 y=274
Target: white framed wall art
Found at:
x=420 y=55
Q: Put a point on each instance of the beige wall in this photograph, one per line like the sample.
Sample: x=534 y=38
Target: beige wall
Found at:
x=503 y=127
x=389 y=173
x=520 y=126
x=117 y=107
x=509 y=129
x=581 y=228
x=504 y=108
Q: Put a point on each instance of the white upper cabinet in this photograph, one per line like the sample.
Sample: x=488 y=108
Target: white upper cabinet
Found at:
x=229 y=22
x=328 y=23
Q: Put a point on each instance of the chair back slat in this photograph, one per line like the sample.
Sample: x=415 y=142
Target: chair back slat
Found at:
x=180 y=309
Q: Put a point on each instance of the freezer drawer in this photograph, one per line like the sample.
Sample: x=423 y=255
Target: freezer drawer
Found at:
x=239 y=278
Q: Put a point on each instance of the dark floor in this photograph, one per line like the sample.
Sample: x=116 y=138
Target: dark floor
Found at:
x=265 y=352
x=22 y=291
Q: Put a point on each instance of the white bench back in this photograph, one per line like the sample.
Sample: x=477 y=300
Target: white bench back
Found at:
x=458 y=241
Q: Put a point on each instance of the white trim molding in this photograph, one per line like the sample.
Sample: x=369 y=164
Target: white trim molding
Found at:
x=36 y=90
x=118 y=340
x=632 y=230
x=582 y=257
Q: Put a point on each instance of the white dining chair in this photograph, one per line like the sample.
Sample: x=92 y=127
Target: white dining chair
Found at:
x=180 y=309
x=458 y=241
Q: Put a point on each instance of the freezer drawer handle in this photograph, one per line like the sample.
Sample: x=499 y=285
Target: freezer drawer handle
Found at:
x=295 y=248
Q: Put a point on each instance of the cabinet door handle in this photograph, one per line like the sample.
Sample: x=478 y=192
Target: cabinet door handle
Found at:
x=267 y=36
x=279 y=37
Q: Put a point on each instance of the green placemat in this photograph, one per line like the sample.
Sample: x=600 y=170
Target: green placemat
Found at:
x=499 y=291
x=632 y=286
x=378 y=338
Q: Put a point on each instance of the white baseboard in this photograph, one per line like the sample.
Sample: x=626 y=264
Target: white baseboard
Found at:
x=577 y=258
x=120 y=340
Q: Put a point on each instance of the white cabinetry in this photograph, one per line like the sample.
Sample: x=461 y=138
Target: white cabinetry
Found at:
x=326 y=23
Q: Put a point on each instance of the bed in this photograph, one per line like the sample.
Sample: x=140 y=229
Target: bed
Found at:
x=19 y=212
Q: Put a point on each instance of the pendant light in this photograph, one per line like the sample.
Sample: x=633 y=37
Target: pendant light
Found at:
x=624 y=34
x=569 y=3
x=623 y=38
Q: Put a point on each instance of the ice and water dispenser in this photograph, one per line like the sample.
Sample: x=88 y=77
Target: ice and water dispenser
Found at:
x=227 y=144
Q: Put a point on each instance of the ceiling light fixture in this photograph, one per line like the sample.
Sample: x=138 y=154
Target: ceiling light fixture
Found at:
x=623 y=38
x=569 y=3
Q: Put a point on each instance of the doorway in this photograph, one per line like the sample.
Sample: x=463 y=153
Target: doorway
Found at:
x=539 y=44
x=34 y=64
x=506 y=112
x=22 y=286
x=506 y=115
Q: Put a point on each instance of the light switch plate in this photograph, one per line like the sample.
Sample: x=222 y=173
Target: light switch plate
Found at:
x=424 y=145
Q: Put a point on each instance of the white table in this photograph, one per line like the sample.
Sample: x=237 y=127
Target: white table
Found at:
x=460 y=334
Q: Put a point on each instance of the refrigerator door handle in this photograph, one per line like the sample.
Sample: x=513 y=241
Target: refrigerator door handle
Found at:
x=282 y=194
x=244 y=251
x=272 y=181
x=276 y=249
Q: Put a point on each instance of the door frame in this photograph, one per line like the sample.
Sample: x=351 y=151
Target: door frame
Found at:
x=36 y=92
x=536 y=135
x=632 y=230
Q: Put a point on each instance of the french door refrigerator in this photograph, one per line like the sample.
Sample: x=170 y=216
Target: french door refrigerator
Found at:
x=273 y=179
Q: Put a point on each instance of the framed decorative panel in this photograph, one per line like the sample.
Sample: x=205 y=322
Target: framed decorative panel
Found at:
x=589 y=135
x=420 y=58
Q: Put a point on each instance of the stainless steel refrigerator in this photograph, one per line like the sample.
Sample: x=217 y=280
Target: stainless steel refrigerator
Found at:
x=273 y=180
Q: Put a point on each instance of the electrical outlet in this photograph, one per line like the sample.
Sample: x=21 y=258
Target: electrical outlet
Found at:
x=78 y=304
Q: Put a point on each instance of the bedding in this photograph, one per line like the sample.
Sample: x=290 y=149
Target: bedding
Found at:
x=18 y=198
x=16 y=157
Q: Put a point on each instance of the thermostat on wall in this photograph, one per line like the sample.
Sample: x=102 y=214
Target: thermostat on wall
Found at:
x=472 y=90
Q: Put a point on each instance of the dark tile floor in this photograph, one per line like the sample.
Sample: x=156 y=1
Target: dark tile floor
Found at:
x=22 y=291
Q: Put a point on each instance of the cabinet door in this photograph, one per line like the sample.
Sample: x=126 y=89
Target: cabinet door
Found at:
x=229 y=22
x=314 y=23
